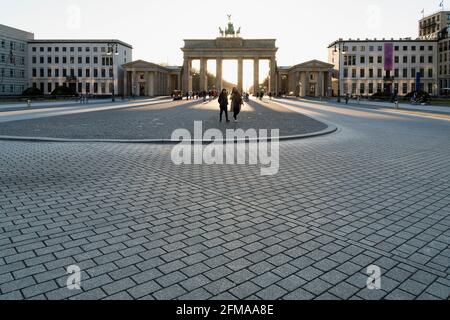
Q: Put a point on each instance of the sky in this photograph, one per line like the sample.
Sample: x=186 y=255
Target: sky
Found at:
x=156 y=28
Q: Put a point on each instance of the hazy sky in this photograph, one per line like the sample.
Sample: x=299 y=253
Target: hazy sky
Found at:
x=156 y=28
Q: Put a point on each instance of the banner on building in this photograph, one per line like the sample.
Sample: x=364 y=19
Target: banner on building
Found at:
x=388 y=56
x=418 y=78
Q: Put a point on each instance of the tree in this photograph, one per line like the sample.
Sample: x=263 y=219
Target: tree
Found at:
x=32 y=92
x=64 y=91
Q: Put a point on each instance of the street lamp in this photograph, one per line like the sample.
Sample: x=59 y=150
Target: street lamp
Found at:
x=113 y=50
x=340 y=50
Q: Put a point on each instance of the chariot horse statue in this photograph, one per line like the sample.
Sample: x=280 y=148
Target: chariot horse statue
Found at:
x=229 y=30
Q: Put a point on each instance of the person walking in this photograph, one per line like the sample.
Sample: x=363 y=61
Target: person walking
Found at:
x=236 y=103
x=223 y=103
x=347 y=97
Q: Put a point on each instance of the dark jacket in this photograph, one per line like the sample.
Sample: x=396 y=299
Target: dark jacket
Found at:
x=223 y=101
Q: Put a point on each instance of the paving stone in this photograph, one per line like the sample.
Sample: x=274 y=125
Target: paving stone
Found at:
x=144 y=289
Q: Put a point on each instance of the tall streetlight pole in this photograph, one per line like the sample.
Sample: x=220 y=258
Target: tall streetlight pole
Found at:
x=113 y=50
x=341 y=51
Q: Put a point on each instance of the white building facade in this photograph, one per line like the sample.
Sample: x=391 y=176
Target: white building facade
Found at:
x=366 y=67
x=13 y=60
x=87 y=66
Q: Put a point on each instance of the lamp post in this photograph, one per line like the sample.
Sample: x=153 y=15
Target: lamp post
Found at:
x=341 y=51
x=113 y=50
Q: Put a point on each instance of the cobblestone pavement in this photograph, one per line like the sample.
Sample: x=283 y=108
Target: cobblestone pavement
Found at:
x=375 y=193
x=159 y=121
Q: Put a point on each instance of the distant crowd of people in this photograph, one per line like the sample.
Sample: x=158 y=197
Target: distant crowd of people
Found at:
x=235 y=99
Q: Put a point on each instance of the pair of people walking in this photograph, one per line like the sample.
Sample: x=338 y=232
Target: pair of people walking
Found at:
x=236 y=104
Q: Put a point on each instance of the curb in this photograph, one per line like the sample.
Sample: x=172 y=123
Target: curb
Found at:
x=329 y=130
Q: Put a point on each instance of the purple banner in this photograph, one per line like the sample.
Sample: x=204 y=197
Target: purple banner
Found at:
x=388 y=56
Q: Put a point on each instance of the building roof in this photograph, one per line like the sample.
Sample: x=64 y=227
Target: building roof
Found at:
x=380 y=40
x=13 y=32
x=146 y=64
x=82 y=41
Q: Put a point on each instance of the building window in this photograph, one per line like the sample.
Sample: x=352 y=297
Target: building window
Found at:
x=80 y=87
x=64 y=72
x=405 y=59
x=41 y=60
x=413 y=73
x=430 y=88
x=95 y=60
x=57 y=72
x=80 y=60
x=95 y=73
x=33 y=59
x=95 y=87
x=103 y=73
x=88 y=60
x=88 y=88
x=370 y=88
x=103 y=87
x=405 y=88
x=49 y=72
x=88 y=73
x=41 y=72
x=56 y=59
x=370 y=73
x=34 y=72
x=362 y=88
x=80 y=73
x=49 y=87
x=380 y=59
x=379 y=73
x=430 y=73
x=64 y=60
x=413 y=59
x=72 y=60
x=49 y=59
x=362 y=73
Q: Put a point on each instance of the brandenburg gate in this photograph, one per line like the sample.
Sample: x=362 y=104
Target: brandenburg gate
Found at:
x=312 y=78
x=229 y=46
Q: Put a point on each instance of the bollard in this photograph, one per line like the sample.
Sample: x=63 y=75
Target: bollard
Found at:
x=29 y=103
